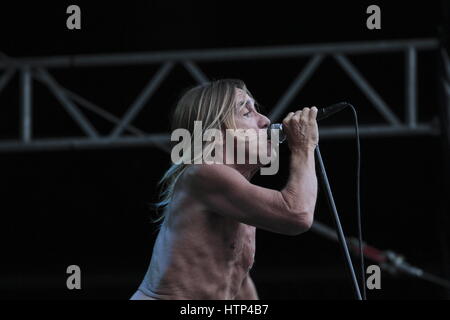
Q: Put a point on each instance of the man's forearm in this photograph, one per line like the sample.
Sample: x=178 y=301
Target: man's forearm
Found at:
x=300 y=191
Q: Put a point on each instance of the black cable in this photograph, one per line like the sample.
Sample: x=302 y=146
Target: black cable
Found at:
x=358 y=203
x=340 y=233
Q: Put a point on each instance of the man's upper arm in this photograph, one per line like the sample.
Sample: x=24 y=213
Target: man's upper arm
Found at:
x=225 y=191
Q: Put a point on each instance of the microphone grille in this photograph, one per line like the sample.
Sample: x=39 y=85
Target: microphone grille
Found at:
x=278 y=127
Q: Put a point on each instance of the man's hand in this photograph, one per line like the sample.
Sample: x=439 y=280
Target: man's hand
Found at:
x=303 y=136
x=301 y=129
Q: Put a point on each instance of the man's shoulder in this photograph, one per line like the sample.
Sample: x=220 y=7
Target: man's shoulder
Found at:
x=208 y=169
x=209 y=176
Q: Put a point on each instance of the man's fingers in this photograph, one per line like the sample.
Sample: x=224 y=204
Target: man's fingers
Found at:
x=305 y=114
x=297 y=115
x=313 y=114
x=288 y=118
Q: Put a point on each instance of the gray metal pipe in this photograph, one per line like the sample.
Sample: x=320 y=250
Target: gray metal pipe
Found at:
x=139 y=58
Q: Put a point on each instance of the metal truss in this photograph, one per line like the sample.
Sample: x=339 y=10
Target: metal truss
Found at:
x=31 y=69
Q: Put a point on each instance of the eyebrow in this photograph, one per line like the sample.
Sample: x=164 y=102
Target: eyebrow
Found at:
x=244 y=102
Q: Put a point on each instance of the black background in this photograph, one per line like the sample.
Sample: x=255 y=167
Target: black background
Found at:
x=90 y=208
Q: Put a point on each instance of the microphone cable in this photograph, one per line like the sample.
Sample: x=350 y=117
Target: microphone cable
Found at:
x=358 y=191
x=358 y=201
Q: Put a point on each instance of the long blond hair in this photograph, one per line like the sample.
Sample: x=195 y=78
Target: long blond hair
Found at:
x=213 y=104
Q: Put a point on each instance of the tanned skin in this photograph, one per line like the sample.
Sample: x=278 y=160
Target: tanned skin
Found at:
x=206 y=245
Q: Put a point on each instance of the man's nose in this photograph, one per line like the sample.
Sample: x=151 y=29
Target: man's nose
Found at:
x=264 y=122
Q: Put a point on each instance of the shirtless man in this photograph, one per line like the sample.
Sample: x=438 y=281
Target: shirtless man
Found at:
x=206 y=245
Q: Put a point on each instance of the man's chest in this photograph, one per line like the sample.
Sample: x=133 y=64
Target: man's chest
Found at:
x=243 y=247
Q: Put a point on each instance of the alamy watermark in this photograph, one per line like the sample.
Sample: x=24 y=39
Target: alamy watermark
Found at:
x=230 y=146
x=73 y=22
x=374 y=277
x=374 y=20
x=74 y=280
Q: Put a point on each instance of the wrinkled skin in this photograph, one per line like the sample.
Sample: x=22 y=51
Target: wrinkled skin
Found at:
x=206 y=245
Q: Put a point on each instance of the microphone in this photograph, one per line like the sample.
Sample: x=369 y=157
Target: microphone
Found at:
x=322 y=113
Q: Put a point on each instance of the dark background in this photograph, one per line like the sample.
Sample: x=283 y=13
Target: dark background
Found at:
x=90 y=208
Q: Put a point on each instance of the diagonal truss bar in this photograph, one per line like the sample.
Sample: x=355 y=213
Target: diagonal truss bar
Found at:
x=139 y=103
x=70 y=107
x=296 y=85
x=367 y=89
x=411 y=87
x=99 y=111
x=195 y=72
x=6 y=77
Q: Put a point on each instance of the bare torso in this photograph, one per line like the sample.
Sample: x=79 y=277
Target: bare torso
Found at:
x=198 y=254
